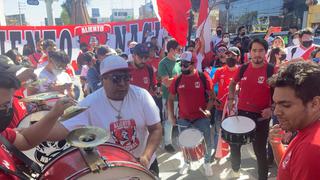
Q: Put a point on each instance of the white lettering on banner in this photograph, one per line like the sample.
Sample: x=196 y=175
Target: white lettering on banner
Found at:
x=90 y=29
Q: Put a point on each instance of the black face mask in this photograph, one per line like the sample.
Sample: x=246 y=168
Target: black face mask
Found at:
x=231 y=62
x=243 y=33
x=219 y=32
x=5 y=118
x=283 y=57
x=307 y=44
x=186 y=72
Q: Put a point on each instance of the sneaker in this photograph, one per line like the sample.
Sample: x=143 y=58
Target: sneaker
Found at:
x=235 y=174
x=169 y=148
x=207 y=169
x=185 y=168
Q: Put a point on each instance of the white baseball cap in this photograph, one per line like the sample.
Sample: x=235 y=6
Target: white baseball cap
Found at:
x=112 y=63
x=186 y=56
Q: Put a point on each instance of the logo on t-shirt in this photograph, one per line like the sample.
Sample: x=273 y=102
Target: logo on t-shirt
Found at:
x=197 y=84
x=146 y=80
x=286 y=160
x=260 y=79
x=47 y=150
x=124 y=133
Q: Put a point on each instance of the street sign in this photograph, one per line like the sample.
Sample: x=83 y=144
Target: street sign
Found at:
x=33 y=2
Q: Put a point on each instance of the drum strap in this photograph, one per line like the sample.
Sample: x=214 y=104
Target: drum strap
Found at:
x=27 y=162
x=17 y=174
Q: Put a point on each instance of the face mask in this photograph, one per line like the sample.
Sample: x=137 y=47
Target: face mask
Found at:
x=226 y=40
x=56 y=72
x=186 y=72
x=243 y=33
x=231 y=62
x=139 y=66
x=283 y=57
x=307 y=44
x=219 y=32
x=5 y=118
x=176 y=56
x=296 y=42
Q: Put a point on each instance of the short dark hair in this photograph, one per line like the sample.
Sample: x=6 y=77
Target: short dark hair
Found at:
x=172 y=44
x=59 y=56
x=240 y=28
x=293 y=27
x=302 y=77
x=103 y=50
x=9 y=81
x=263 y=42
x=48 y=43
x=12 y=53
x=308 y=31
x=88 y=56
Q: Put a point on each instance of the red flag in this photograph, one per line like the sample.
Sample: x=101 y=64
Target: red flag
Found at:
x=173 y=15
x=203 y=12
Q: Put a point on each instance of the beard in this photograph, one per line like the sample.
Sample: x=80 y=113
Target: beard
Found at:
x=139 y=66
x=258 y=60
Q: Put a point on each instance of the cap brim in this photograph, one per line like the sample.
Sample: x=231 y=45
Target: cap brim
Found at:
x=13 y=69
x=234 y=53
x=129 y=69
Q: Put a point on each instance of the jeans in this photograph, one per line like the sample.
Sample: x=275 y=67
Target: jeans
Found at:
x=259 y=145
x=216 y=126
x=204 y=126
x=167 y=125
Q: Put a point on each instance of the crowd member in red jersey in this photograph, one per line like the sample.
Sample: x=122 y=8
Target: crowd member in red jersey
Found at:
x=297 y=107
x=26 y=138
x=35 y=57
x=254 y=102
x=223 y=77
x=193 y=90
x=154 y=59
x=142 y=74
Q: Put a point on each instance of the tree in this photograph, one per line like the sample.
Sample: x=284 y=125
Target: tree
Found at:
x=76 y=11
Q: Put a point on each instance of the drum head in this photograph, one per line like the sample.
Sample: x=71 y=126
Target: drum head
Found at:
x=31 y=118
x=238 y=124
x=190 y=137
x=119 y=173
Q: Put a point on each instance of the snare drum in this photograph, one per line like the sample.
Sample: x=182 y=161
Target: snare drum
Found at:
x=238 y=130
x=45 y=151
x=121 y=165
x=192 y=144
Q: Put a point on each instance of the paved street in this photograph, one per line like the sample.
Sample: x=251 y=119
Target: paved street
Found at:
x=169 y=167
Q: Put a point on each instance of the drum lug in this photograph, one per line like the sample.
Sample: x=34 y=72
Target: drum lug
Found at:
x=93 y=159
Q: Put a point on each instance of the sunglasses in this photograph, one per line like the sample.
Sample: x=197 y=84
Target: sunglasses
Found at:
x=185 y=64
x=117 y=78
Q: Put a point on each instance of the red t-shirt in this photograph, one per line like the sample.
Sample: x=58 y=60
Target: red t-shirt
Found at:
x=191 y=93
x=255 y=94
x=301 y=159
x=141 y=77
x=34 y=58
x=6 y=159
x=223 y=77
x=154 y=62
x=19 y=109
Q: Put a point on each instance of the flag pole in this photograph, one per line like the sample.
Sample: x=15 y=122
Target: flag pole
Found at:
x=210 y=9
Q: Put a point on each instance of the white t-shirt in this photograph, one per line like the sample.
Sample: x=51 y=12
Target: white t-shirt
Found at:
x=43 y=73
x=216 y=39
x=299 y=52
x=138 y=111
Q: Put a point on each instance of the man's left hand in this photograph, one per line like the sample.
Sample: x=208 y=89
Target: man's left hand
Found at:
x=144 y=160
x=205 y=112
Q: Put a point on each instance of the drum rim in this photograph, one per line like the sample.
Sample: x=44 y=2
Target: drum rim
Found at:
x=200 y=141
x=86 y=170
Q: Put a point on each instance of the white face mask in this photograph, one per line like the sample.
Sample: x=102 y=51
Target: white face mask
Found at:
x=56 y=72
x=226 y=40
x=296 y=42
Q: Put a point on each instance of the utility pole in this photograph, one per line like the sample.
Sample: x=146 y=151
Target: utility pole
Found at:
x=227 y=8
x=49 y=11
x=19 y=9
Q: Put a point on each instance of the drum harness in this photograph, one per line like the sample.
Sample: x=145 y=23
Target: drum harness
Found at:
x=28 y=169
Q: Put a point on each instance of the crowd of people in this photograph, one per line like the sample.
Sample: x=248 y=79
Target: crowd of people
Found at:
x=138 y=96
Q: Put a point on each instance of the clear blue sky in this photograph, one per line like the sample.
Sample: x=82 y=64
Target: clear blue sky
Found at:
x=35 y=14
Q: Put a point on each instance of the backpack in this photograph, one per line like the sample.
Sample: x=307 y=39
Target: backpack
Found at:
x=203 y=80
x=270 y=69
x=150 y=72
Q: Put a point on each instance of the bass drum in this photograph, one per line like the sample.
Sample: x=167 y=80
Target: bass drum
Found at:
x=121 y=165
x=47 y=150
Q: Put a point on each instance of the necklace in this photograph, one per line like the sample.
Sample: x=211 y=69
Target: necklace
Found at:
x=117 y=110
